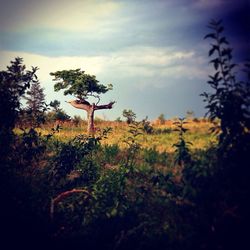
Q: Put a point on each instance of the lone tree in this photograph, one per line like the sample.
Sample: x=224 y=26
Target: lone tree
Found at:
x=36 y=106
x=161 y=119
x=129 y=115
x=57 y=114
x=82 y=86
x=55 y=105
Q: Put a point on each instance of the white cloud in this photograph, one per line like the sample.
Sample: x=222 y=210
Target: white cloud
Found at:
x=92 y=65
x=151 y=56
x=75 y=15
x=158 y=62
x=134 y=63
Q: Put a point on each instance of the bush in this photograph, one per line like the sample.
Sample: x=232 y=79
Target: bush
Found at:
x=152 y=156
x=129 y=115
x=110 y=153
x=77 y=120
x=161 y=119
x=147 y=128
x=74 y=155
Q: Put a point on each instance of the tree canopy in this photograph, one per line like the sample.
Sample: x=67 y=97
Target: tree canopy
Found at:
x=13 y=84
x=78 y=83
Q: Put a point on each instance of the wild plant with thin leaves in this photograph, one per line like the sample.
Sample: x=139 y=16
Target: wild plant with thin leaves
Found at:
x=229 y=101
x=182 y=153
x=135 y=130
x=228 y=189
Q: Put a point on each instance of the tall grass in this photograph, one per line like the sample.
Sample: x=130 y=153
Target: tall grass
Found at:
x=162 y=139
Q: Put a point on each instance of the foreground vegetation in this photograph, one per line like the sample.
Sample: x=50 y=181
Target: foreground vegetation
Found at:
x=122 y=194
x=132 y=187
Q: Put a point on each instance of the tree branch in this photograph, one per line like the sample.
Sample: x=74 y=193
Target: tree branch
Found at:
x=62 y=196
x=96 y=96
x=83 y=104
x=105 y=106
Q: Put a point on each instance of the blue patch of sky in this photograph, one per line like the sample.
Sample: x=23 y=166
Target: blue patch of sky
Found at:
x=148 y=23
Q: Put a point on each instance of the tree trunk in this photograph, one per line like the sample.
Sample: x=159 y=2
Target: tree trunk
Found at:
x=90 y=109
x=90 y=115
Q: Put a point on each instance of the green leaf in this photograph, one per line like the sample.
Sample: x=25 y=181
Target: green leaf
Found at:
x=223 y=40
x=215 y=63
x=213 y=49
x=210 y=35
x=220 y=29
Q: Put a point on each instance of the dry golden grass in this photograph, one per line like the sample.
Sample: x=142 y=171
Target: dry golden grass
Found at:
x=198 y=134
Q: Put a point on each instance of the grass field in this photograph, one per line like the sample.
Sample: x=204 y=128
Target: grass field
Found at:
x=161 y=139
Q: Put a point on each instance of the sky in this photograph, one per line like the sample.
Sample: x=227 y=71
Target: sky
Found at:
x=152 y=51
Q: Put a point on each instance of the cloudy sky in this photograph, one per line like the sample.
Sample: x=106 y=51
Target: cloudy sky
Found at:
x=152 y=51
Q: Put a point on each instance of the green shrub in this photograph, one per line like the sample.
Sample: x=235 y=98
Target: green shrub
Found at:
x=69 y=155
x=147 y=127
x=152 y=156
x=110 y=153
x=182 y=153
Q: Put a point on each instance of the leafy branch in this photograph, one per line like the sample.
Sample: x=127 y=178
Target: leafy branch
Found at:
x=182 y=154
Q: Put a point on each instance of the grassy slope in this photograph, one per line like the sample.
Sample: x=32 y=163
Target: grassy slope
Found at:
x=198 y=134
